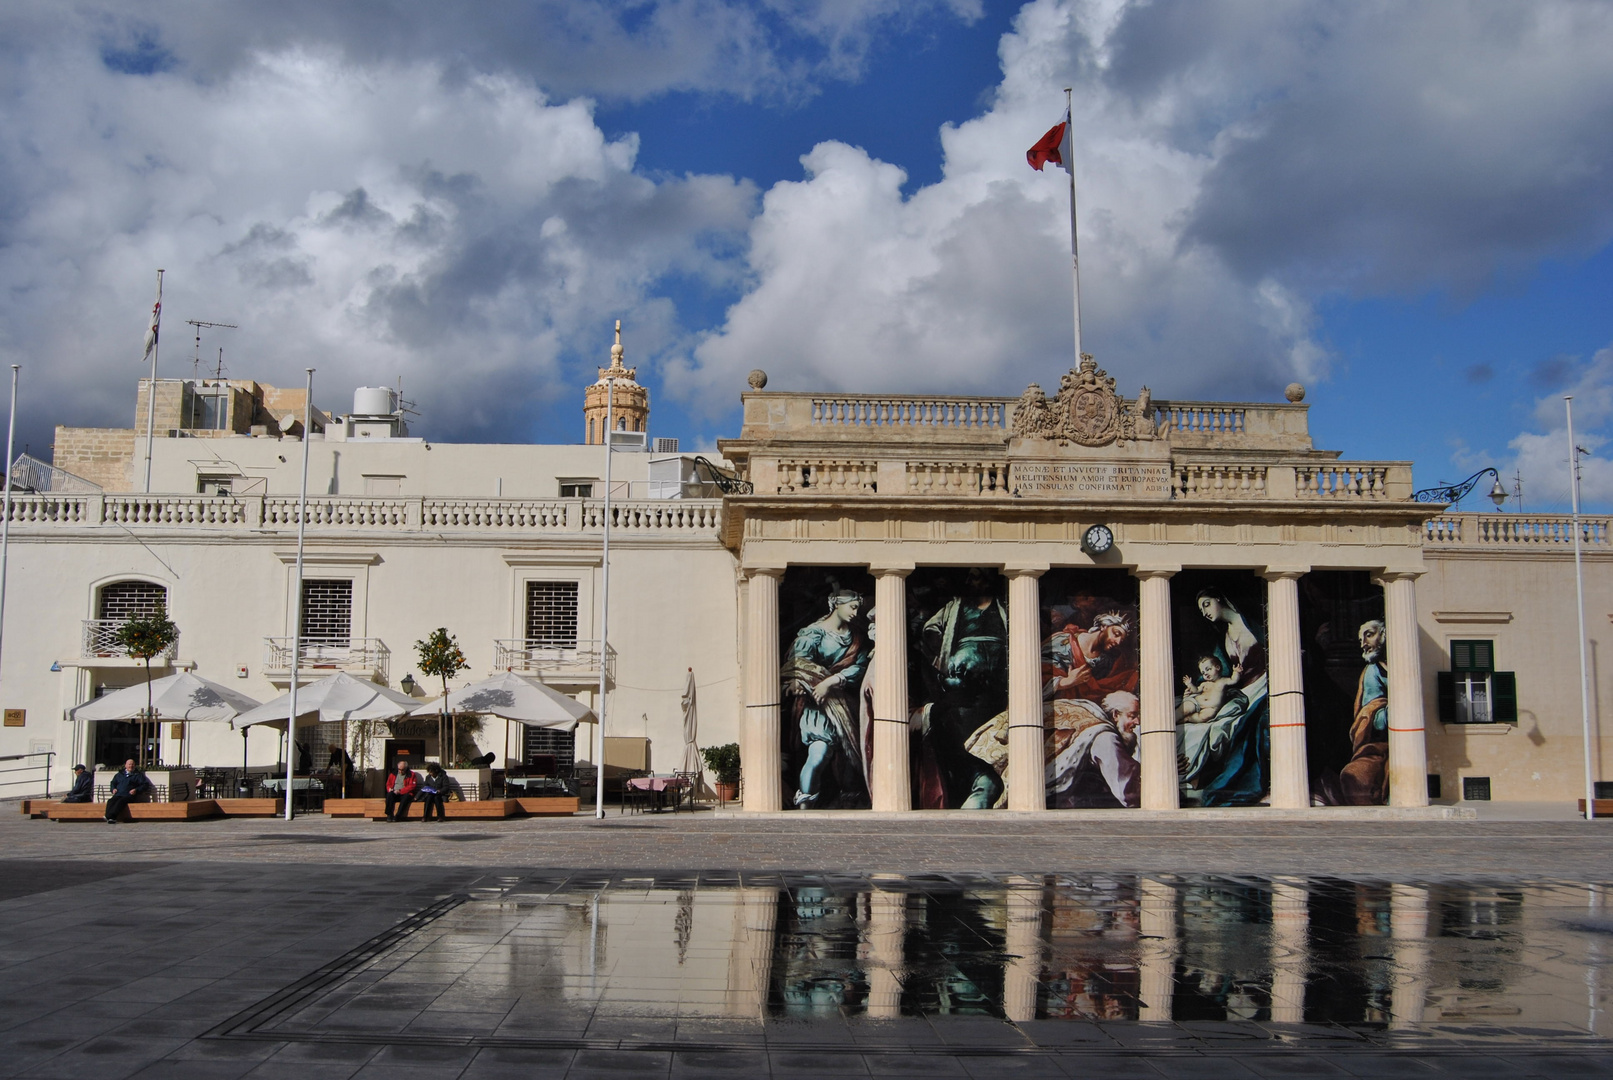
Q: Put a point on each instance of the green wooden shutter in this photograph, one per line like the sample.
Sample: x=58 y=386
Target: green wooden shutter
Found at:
x=1447 y=696
x=1504 y=688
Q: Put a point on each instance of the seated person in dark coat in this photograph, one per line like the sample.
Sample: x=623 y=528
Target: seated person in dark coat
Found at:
x=128 y=783
x=83 y=786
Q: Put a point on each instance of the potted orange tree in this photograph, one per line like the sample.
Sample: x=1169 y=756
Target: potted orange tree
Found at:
x=723 y=761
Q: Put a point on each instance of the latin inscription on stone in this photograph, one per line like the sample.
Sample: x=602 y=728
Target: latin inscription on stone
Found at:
x=1092 y=480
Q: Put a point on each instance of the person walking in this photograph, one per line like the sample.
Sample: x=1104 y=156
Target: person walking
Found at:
x=127 y=784
x=401 y=787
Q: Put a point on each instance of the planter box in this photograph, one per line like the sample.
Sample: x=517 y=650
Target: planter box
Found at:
x=473 y=785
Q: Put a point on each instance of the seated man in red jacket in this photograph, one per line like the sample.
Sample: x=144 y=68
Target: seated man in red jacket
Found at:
x=400 y=789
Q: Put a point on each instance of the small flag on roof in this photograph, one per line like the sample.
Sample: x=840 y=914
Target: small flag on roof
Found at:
x=1054 y=147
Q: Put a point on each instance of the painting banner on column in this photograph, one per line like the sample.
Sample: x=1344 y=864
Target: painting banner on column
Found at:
x=826 y=654
x=1343 y=643
x=1218 y=639
x=1089 y=688
x=958 y=686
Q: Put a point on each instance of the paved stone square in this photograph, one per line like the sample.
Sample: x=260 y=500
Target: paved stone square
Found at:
x=323 y=947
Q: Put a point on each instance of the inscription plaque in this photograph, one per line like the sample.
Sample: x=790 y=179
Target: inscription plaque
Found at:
x=1092 y=480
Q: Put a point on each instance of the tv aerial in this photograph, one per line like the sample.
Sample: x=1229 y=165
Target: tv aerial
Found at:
x=198 y=324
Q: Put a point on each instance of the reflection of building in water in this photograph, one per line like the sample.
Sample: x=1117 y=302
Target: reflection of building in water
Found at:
x=1092 y=961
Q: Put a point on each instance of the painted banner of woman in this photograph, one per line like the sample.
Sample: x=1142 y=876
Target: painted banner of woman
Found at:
x=821 y=677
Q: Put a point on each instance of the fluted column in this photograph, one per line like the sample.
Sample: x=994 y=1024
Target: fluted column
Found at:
x=1408 y=748
x=887 y=930
x=892 y=787
x=1157 y=744
x=1290 y=940
x=1290 y=769
x=1408 y=928
x=1023 y=974
x=762 y=754
x=1027 y=782
x=1156 y=951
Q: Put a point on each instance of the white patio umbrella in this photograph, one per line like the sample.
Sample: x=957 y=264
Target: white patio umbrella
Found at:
x=335 y=698
x=691 y=728
x=518 y=698
x=185 y=696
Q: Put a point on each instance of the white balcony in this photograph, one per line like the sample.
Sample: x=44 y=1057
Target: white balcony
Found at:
x=573 y=663
x=368 y=658
x=99 y=642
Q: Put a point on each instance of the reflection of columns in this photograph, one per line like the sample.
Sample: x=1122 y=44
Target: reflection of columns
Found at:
x=1290 y=779
x=750 y=959
x=1408 y=750
x=887 y=931
x=762 y=747
x=1156 y=951
x=1157 y=700
x=1024 y=941
x=1290 y=926
x=1408 y=927
x=892 y=788
x=1027 y=767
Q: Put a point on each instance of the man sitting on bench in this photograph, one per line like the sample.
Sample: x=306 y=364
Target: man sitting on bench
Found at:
x=83 y=786
x=128 y=783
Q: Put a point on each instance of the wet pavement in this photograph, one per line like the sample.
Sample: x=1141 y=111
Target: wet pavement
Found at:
x=315 y=951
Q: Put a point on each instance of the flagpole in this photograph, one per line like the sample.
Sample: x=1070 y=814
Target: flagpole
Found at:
x=1579 y=592
x=151 y=388
x=604 y=593
x=5 y=515
x=296 y=607
x=1075 y=250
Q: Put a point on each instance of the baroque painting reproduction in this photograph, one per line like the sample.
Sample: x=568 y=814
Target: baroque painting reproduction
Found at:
x=826 y=653
x=1343 y=656
x=1089 y=688
x=1218 y=639
x=957 y=686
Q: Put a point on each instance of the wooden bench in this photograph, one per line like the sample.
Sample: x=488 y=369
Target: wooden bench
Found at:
x=548 y=805
x=1604 y=807
x=473 y=808
x=38 y=807
x=148 y=811
x=250 y=807
x=375 y=809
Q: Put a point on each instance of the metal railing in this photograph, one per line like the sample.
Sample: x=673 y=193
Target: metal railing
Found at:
x=533 y=658
x=99 y=640
x=355 y=654
x=30 y=763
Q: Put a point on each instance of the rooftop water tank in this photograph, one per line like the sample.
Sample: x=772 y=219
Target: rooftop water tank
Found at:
x=375 y=401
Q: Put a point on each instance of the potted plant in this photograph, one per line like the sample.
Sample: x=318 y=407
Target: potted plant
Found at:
x=144 y=637
x=440 y=655
x=723 y=761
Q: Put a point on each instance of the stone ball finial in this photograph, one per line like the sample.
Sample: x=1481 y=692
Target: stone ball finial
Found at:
x=1294 y=393
x=757 y=379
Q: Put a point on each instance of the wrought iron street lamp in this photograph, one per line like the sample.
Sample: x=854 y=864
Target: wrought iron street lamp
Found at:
x=1454 y=493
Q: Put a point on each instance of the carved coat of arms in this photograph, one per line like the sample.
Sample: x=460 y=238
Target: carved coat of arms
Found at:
x=1086 y=410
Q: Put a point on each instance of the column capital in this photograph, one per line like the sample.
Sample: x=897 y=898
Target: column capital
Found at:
x=1144 y=573
x=1384 y=577
x=761 y=571
x=1024 y=571
x=900 y=570
x=1279 y=573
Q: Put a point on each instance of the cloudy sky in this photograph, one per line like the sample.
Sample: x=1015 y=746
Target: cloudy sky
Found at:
x=1406 y=207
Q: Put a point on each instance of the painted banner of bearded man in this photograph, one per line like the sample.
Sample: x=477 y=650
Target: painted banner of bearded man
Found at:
x=820 y=677
x=1090 y=663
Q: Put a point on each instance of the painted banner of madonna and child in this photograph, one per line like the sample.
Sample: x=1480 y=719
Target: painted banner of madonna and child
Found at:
x=1218 y=638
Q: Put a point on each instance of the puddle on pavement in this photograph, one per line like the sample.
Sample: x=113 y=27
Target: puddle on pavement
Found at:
x=557 y=957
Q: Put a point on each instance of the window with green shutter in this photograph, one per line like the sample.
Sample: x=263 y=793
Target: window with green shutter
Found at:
x=1473 y=692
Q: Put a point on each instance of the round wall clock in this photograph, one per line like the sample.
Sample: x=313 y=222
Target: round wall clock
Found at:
x=1097 y=540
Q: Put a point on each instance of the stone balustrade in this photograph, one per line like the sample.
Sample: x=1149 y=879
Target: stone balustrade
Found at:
x=278 y=513
x=1498 y=530
x=902 y=411
x=1218 y=481
x=986 y=478
x=828 y=476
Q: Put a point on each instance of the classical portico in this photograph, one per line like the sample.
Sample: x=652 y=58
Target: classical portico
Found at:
x=1082 y=480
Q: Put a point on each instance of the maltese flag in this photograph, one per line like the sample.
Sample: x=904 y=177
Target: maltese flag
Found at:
x=1054 y=147
x=156 y=322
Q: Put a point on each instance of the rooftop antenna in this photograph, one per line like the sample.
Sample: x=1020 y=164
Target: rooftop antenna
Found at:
x=198 y=324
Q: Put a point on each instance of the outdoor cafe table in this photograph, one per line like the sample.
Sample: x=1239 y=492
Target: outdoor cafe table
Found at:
x=274 y=785
x=660 y=787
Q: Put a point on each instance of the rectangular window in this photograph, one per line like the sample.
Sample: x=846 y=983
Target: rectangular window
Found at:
x=551 y=614
x=327 y=611
x=576 y=489
x=214 y=485
x=1473 y=692
x=1476 y=788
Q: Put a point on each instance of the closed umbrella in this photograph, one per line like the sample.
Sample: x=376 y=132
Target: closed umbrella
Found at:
x=691 y=728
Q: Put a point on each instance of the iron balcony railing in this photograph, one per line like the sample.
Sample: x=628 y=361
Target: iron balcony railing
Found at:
x=368 y=655
x=576 y=658
x=100 y=641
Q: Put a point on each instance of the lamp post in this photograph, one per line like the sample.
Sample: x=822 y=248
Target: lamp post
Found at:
x=1455 y=493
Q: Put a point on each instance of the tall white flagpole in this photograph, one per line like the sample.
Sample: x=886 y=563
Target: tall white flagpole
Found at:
x=154 y=347
x=296 y=607
x=1075 y=249
x=604 y=594
x=5 y=514
x=1579 y=593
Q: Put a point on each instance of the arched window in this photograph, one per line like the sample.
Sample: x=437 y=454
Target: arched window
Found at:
x=121 y=601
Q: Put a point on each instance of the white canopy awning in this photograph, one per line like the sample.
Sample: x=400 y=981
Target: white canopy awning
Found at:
x=184 y=696
x=516 y=697
x=336 y=697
